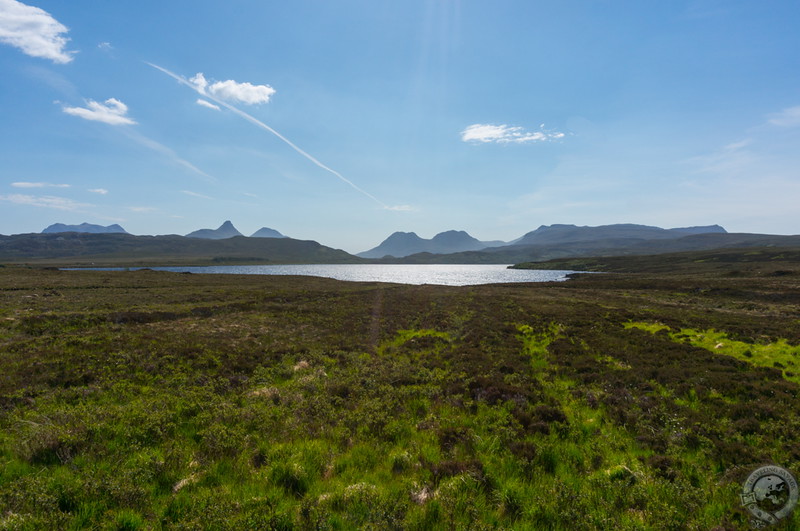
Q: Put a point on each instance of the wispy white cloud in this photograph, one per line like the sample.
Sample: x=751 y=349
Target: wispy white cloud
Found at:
x=203 y=103
x=112 y=112
x=45 y=201
x=737 y=146
x=106 y=46
x=199 y=84
x=506 y=134
x=142 y=209
x=169 y=153
x=38 y=185
x=401 y=208
x=53 y=78
x=101 y=191
x=789 y=117
x=34 y=31
x=230 y=90
x=195 y=194
x=731 y=159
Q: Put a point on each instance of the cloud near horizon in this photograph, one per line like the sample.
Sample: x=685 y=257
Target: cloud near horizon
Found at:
x=34 y=31
x=169 y=153
x=195 y=194
x=38 y=185
x=505 y=134
x=789 y=117
x=401 y=208
x=111 y=112
x=45 y=201
x=230 y=90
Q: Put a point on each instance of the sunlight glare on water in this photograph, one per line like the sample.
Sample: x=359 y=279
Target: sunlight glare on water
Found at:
x=441 y=274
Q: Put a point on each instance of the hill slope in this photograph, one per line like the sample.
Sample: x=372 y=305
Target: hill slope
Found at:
x=126 y=249
x=763 y=261
x=558 y=234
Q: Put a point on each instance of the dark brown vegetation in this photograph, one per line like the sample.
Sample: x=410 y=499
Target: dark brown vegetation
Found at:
x=150 y=399
x=84 y=249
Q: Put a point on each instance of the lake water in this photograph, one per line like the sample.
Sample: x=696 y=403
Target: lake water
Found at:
x=441 y=274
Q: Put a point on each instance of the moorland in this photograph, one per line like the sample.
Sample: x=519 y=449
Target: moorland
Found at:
x=639 y=399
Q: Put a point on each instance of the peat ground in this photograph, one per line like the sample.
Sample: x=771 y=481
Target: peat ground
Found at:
x=139 y=400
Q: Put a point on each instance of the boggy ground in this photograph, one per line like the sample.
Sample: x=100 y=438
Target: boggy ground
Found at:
x=138 y=400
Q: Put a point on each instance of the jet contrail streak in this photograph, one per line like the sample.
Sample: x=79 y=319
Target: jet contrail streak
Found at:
x=262 y=125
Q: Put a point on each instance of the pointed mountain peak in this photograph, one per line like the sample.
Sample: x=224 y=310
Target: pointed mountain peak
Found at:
x=226 y=230
x=401 y=244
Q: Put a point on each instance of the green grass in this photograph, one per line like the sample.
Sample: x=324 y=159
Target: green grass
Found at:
x=143 y=400
x=778 y=354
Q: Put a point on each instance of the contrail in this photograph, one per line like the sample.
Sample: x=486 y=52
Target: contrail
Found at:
x=262 y=125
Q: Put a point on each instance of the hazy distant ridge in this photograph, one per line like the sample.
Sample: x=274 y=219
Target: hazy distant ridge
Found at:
x=226 y=245
x=557 y=234
x=401 y=244
x=226 y=230
x=84 y=227
x=266 y=232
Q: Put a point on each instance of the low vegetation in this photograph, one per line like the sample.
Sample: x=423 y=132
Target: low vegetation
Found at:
x=143 y=399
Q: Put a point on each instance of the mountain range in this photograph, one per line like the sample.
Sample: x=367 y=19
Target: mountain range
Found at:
x=226 y=245
x=403 y=244
x=84 y=227
x=226 y=230
x=125 y=249
x=547 y=234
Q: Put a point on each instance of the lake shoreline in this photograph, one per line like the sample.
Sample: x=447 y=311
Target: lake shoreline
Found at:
x=410 y=274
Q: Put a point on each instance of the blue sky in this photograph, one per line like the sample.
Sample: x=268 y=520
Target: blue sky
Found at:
x=344 y=121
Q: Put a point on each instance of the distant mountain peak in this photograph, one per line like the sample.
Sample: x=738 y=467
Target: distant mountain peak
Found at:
x=401 y=244
x=705 y=229
x=266 y=232
x=403 y=235
x=226 y=230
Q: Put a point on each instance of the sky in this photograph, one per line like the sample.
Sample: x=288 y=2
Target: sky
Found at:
x=345 y=121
